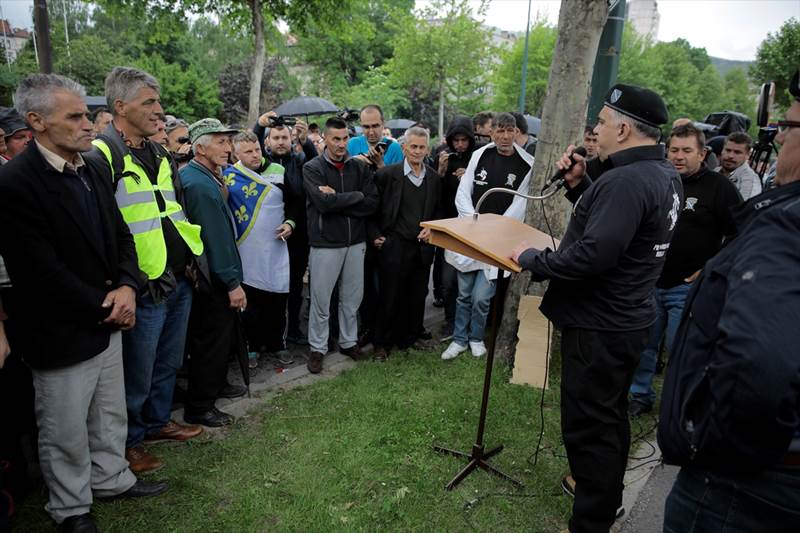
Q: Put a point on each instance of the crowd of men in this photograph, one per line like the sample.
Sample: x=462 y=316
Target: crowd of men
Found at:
x=136 y=244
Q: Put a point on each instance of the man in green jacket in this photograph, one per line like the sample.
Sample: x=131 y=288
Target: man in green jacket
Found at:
x=213 y=329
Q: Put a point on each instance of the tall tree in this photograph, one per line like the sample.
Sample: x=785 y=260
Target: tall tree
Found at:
x=508 y=74
x=443 y=51
x=776 y=60
x=580 y=24
x=257 y=14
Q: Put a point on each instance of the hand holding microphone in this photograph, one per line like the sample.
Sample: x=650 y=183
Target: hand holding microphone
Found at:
x=571 y=167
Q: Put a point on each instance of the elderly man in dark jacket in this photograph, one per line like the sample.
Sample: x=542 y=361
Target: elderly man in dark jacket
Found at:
x=341 y=195
x=409 y=193
x=730 y=411
x=69 y=252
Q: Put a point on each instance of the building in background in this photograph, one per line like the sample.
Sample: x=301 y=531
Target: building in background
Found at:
x=643 y=15
x=12 y=39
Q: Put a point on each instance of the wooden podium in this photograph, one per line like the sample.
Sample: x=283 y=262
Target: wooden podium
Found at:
x=490 y=239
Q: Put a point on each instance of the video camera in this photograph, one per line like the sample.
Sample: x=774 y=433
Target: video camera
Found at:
x=765 y=144
x=282 y=121
x=348 y=115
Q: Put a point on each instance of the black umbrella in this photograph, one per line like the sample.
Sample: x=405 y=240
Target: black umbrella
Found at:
x=306 y=105
x=241 y=351
x=399 y=124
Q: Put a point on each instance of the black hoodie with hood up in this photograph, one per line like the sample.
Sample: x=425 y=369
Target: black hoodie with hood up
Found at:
x=460 y=124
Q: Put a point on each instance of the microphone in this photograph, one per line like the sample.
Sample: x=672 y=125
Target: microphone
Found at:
x=581 y=151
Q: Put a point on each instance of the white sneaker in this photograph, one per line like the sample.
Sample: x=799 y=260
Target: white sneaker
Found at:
x=453 y=350
x=478 y=349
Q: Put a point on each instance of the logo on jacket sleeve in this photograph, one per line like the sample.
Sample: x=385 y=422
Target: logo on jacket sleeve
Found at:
x=482 y=175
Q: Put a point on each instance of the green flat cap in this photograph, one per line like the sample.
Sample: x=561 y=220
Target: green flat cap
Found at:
x=207 y=126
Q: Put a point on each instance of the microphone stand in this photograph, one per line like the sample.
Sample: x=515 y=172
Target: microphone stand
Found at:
x=478 y=458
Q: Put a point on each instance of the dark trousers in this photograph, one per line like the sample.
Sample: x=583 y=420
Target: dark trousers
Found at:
x=17 y=418
x=597 y=370
x=368 y=309
x=298 y=263
x=704 y=501
x=449 y=289
x=211 y=340
x=265 y=319
x=403 y=286
x=438 y=262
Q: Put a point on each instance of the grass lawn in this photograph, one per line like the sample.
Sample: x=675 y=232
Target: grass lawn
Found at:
x=354 y=453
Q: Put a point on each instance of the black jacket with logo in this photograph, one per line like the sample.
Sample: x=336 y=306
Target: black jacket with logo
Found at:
x=338 y=220
x=604 y=272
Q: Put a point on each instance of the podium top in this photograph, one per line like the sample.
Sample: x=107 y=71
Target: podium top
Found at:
x=490 y=239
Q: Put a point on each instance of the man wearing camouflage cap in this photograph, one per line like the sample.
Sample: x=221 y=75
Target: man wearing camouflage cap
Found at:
x=601 y=293
x=213 y=326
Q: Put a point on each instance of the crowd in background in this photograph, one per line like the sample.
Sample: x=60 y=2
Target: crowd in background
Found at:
x=136 y=245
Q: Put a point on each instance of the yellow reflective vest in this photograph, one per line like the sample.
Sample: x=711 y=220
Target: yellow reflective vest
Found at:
x=136 y=199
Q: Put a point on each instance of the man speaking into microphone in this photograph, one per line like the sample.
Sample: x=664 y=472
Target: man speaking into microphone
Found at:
x=601 y=293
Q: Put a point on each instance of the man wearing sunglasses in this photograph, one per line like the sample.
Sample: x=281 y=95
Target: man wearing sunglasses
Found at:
x=730 y=411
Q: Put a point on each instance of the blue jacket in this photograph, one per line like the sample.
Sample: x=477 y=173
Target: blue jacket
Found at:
x=206 y=206
x=731 y=397
x=358 y=145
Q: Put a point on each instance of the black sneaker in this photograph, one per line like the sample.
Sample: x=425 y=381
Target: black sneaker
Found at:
x=637 y=408
x=568 y=486
x=232 y=391
x=284 y=357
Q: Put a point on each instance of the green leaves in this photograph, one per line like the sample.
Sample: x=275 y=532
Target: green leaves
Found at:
x=777 y=60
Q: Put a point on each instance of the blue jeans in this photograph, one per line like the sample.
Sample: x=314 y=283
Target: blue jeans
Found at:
x=472 y=306
x=669 y=308
x=153 y=352
x=703 y=501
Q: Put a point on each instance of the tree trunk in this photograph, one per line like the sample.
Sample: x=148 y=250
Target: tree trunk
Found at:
x=441 y=108
x=259 y=59
x=580 y=23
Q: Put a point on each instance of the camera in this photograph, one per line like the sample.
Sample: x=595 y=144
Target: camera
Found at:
x=348 y=115
x=381 y=147
x=282 y=121
x=764 y=145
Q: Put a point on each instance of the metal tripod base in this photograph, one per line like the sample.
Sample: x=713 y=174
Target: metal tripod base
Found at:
x=477 y=459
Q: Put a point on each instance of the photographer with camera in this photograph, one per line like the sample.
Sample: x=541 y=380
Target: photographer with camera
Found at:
x=452 y=159
x=372 y=147
x=275 y=138
x=178 y=144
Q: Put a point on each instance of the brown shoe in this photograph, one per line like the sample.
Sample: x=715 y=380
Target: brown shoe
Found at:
x=354 y=352
x=314 y=362
x=380 y=355
x=173 y=431
x=141 y=462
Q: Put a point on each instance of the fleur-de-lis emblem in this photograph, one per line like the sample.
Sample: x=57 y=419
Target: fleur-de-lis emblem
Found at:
x=229 y=181
x=241 y=214
x=250 y=190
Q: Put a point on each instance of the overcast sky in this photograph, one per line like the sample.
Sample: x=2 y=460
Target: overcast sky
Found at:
x=731 y=29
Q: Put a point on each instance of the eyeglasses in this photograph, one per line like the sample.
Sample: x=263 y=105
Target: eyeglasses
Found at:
x=785 y=125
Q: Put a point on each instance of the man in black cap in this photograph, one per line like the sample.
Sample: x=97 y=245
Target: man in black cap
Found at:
x=17 y=134
x=603 y=277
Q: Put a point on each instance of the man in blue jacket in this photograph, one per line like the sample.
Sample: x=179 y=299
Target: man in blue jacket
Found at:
x=730 y=411
x=213 y=328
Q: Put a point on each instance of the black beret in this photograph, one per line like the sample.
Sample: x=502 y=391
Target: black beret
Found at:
x=638 y=103
x=794 y=85
x=10 y=121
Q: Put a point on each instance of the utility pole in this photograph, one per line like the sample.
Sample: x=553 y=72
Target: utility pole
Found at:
x=525 y=63
x=606 y=65
x=42 y=28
